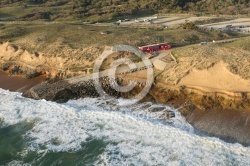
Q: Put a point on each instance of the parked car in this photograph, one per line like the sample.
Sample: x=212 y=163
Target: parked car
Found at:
x=203 y=43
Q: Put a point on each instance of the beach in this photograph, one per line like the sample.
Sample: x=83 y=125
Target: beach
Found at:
x=17 y=83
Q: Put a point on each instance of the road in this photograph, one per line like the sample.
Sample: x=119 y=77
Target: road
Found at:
x=122 y=70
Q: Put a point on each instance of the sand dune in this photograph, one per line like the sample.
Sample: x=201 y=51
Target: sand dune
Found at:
x=217 y=77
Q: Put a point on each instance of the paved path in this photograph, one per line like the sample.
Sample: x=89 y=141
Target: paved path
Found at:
x=119 y=70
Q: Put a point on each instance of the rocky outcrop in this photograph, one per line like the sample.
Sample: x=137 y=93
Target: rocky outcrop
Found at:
x=224 y=115
x=189 y=98
x=195 y=104
x=15 y=69
x=63 y=91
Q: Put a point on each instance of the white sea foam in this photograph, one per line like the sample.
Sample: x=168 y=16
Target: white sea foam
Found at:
x=17 y=163
x=130 y=139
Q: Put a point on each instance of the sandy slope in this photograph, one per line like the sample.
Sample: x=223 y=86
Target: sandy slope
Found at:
x=216 y=77
x=56 y=61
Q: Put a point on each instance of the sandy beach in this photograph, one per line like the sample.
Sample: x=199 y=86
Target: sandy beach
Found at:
x=18 y=83
x=229 y=125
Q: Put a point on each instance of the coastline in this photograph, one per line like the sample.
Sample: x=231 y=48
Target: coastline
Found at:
x=124 y=83
x=211 y=113
x=211 y=97
x=230 y=125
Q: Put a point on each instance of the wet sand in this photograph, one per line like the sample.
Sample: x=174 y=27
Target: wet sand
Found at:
x=18 y=83
x=230 y=125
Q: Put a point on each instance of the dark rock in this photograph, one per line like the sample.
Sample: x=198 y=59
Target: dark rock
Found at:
x=64 y=96
x=15 y=70
x=156 y=109
x=30 y=73
x=5 y=66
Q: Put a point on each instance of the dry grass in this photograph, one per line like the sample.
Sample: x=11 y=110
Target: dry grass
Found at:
x=79 y=45
x=243 y=44
x=202 y=57
x=77 y=36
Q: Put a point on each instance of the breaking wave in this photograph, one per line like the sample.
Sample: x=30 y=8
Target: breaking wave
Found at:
x=107 y=132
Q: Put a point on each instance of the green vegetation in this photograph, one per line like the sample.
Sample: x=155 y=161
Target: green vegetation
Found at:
x=243 y=44
x=189 y=25
x=77 y=36
x=212 y=20
x=96 y=10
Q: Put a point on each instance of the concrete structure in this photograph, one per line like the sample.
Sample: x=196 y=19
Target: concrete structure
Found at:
x=160 y=65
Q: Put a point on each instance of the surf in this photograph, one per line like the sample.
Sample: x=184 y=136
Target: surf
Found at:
x=98 y=131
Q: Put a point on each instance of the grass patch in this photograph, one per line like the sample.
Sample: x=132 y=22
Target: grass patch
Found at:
x=80 y=35
x=243 y=44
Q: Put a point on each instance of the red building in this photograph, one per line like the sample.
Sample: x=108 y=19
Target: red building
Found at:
x=155 y=47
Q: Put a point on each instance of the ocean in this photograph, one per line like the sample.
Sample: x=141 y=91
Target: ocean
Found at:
x=97 y=131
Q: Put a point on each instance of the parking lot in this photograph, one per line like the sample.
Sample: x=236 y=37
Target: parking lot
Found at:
x=240 y=25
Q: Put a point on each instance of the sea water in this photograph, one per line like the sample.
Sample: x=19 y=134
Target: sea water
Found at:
x=96 y=131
